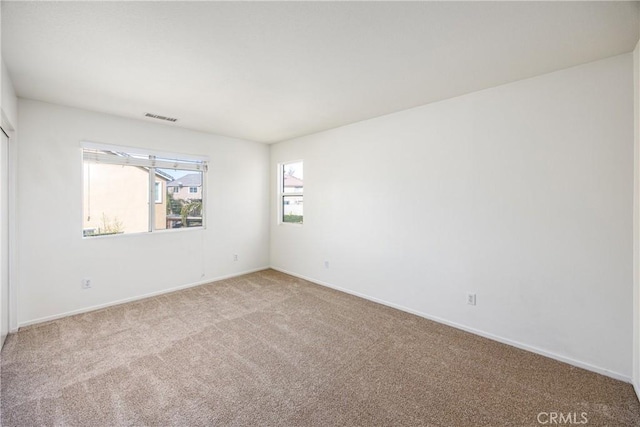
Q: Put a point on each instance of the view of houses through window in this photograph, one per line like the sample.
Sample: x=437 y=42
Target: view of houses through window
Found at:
x=291 y=179
x=117 y=199
x=184 y=199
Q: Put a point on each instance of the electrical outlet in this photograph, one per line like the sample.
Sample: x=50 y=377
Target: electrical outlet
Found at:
x=326 y=264
x=235 y=257
x=86 y=283
x=471 y=299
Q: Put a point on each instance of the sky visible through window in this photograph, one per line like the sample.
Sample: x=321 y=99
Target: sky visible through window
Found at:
x=295 y=169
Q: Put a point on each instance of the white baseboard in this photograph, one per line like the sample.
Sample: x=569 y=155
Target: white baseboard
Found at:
x=636 y=389
x=136 y=298
x=484 y=334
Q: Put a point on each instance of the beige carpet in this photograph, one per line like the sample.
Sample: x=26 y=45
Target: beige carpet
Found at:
x=269 y=349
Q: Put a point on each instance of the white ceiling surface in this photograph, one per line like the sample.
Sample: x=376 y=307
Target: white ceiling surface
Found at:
x=272 y=71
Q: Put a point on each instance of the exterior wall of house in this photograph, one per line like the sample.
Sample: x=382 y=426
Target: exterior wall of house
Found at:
x=184 y=193
x=116 y=194
x=161 y=207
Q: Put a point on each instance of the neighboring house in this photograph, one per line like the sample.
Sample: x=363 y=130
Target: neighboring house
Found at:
x=188 y=187
x=116 y=198
x=292 y=184
x=293 y=204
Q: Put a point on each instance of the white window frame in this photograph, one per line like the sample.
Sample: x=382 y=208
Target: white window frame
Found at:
x=282 y=194
x=154 y=159
x=193 y=188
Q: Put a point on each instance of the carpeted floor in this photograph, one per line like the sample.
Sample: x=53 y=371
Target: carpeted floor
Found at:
x=269 y=349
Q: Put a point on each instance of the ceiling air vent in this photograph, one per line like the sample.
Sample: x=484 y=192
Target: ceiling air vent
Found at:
x=155 y=116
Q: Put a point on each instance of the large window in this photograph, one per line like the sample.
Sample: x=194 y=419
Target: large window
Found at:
x=290 y=191
x=133 y=191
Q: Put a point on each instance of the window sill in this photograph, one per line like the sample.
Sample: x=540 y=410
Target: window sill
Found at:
x=144 y=233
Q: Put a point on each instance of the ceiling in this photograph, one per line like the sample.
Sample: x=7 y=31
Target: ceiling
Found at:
x=270 y=71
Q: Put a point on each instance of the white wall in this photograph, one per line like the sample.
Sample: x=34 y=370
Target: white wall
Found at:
x=53 y=257
x=521 y=193
x=9 y=101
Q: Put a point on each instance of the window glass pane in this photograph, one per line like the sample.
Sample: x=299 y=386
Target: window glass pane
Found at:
x=183 y=206
x=116 y=199
x=292 y=177
x=157 y=195
x=292 y=209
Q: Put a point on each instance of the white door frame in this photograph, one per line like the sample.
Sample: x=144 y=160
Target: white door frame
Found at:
x=5 y=308
x=9 y=129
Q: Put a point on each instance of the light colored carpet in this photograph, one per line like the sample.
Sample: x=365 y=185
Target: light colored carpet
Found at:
x=269 y=349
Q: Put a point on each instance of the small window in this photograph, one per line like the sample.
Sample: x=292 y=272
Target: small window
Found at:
x=129 y=191
x=290 y=192
x=193 y=189
x=158 y=192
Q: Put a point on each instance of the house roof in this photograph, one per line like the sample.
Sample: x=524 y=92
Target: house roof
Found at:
x=163 y=175
x=189 y=180
x=292 y=181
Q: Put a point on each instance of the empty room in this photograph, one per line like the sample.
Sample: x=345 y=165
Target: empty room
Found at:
x=320 y=213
